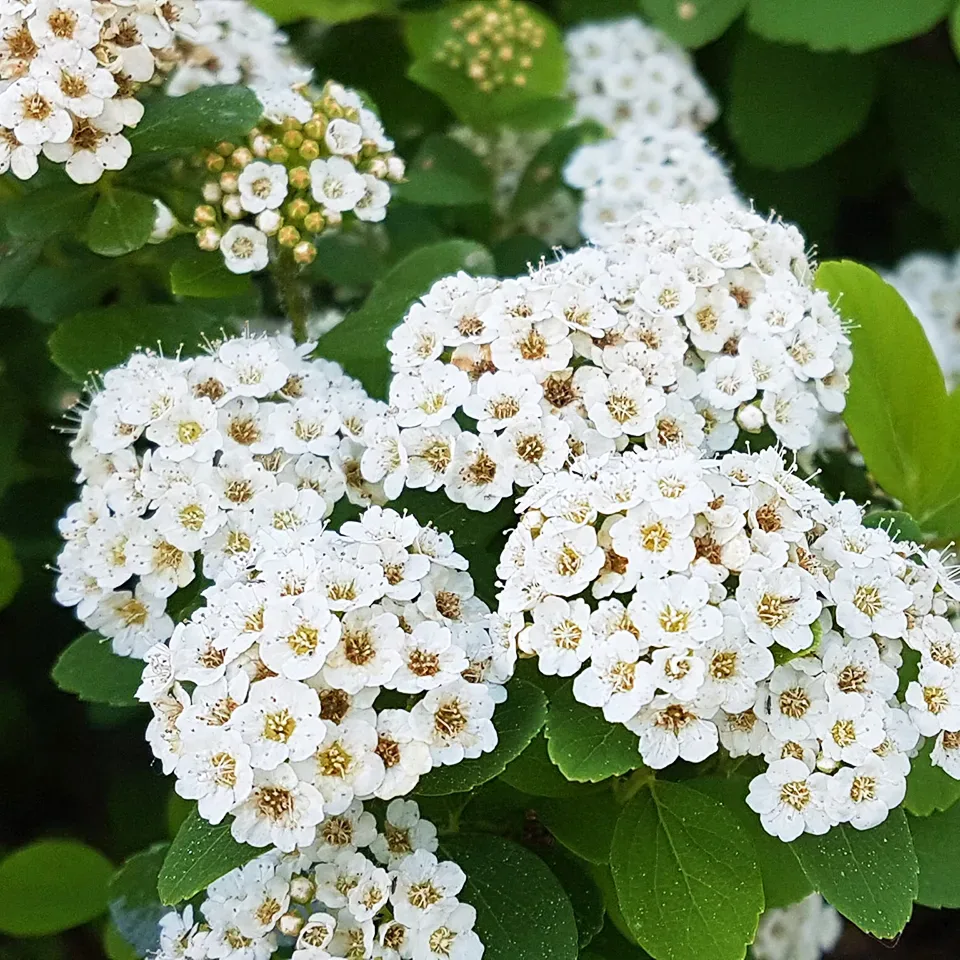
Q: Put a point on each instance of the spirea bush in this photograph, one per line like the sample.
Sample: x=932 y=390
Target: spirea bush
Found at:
x=492 y=512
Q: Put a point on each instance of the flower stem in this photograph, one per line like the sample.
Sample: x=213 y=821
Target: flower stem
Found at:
x=293 y=293
x=625 y=790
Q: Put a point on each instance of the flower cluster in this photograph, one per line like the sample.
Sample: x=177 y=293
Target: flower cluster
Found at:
x=70 y=73
x=701 y=319
x=930 y=283
x=624 y=70
x=302 y=170
x=803 y=931
x=332 y=900
x=231 y=42
x=265 y=702
x=493 y=43
x=754 y=614
x=640 y=166
x=185 y=456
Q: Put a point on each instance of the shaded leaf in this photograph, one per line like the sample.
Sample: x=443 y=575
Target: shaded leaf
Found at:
x=90 y=669
x=121 y=222
x=135 y=906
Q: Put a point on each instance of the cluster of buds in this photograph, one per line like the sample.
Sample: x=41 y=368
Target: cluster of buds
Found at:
x=295 y=179
x=493 y=43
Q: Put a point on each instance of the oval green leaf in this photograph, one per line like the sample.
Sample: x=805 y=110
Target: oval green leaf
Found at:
x=90 y=669
x=121 y=222
x=135 y=906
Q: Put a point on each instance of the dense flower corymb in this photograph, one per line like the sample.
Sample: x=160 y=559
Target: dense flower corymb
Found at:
x=330 y=899
x=702 y=319
x=708 y=603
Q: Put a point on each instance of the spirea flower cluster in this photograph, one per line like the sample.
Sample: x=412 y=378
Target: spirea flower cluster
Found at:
x=186 y=464
x=232 y=42
x=356 y=893
x=726 y=602
x=70 y=73
x=624 y=71
x=267 y=702
x=302 y=170
x=702 y=314
x=803 y=931
x=930 y=283
x=640 y=166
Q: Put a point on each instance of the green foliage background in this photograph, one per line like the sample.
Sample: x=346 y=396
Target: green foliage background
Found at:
x=839 y=114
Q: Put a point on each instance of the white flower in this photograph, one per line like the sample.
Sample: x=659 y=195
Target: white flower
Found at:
x=244 y=249
x=404 y=832
x=455 y=722
x=372 y=206
x=778 y=607
x=215 y=770
x=429 y=659
x=336 y=184
x=423 y=887
x=280 y=721
x=934 y=700
x=621 y=404
x=791 y=800
x=405 y=757
x=262 y=186
x=343 y=136
x=862 y=795
x=670 y=730
x=565 y=563
x=481 y=473
x=848 y=731
x=560 y=636
x=447 y=934
x=367 y=654
x=616 y=680
x=502 y=399
x=281 y=810
x=870 y=600
x=301 y=632
x=675 y=611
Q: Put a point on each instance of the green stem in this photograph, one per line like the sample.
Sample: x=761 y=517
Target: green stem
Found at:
x=625 y=790
x=293 y=293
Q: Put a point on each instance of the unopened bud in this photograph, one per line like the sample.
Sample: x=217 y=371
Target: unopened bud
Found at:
x=262 y=144
x=212 y=192
x=204 y=216
x=208 y=238
x=309 y=150
x=290 y=924
x=269 y=222
x=278 y=153
x=316 y=127
x=214 y=162
x=377 y=167
x=229 y=181
x=241 y=157
x=334 y=218
x=304 y=252
x=299 y=178
x=292 y=139
x=396 y=169
x=288 y=236
x=232 y=206
x=750 y=418
x=225 y=148
x=297 y=209
x=302 y=889
x=313 y=222
x=291 y=123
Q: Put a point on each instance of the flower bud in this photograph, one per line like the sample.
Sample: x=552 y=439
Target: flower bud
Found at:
x=299 y=178
x=241 y=157
x=302 y=889
x=214 y=162
x=292 y=139
x=232 y=206
x=229 y=182
x=225 y=148
x=290 y=924
x=377 y=167
x=212 y=192
x=304 y=252
x=269 y=222
x=297 y=209
x=750 y=418
x=208 y=238
x=315 y=127
x=313 y=222
x=278 y=153
x=334 y=218
x=262 y=144
x=396 y=169
x=309 y=150
x=291 y=123
x=288 y=236
x=204 y=216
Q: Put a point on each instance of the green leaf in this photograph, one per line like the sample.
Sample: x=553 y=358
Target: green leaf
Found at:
x=544 y=174
x=584 y=745
x=17 y=260
x=206 y=276
x=900 y=525
x=776 y=114
x=200 y=853
x=894 y=374
x=517 y=721
x=135 y=906
x=52 y=293
x=584 y=895
x=693 y=24
x=545 y=113
x=854 y=25
x=942 y=514
x=47 y=212
x=90 y=669
x=929 y=789
x=11 y=576
x=523 y=912
x=588 y=837
x=445 y=173
x=784 y=881
x=52 y=885
x=330 y=11
x=429 y=35
x=870 y=876
x=936 y=842
x=121 y=222
x=534 y=773
x=115 y=947
x=201 y=118
x=359 y=343
x=686 y=875
x=97 y=340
